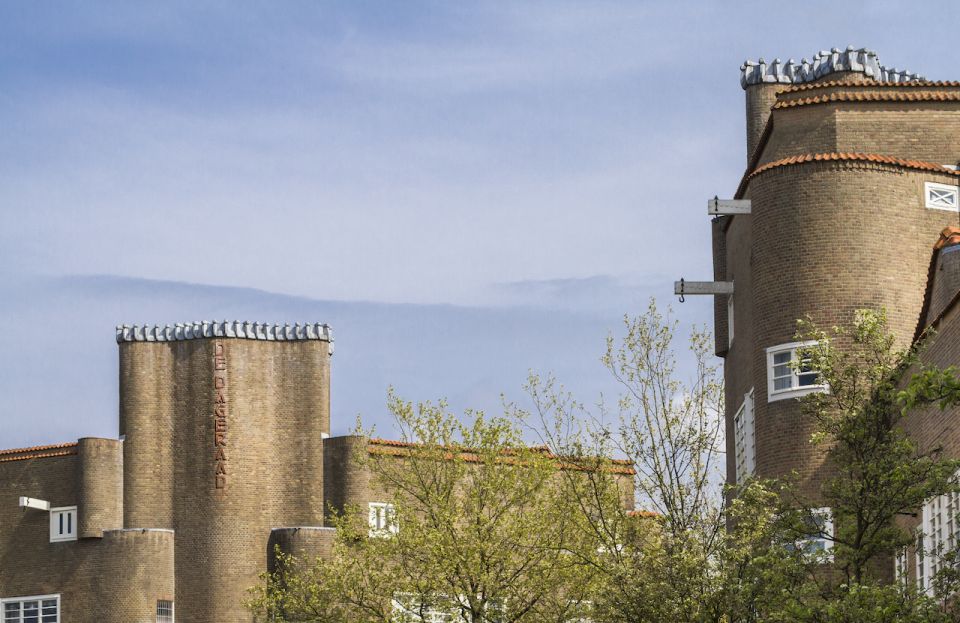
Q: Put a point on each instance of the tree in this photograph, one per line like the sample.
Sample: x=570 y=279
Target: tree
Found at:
x=879 y=473
x=484 y=534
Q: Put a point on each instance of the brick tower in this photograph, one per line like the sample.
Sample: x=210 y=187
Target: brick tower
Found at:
x=223 y=427
x=849 y=181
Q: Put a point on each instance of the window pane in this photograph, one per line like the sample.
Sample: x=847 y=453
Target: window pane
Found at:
x=783 y=383
x=783 y=357
x=31 y=612
x=807 y=379
x=781 y=371
x=11 y=613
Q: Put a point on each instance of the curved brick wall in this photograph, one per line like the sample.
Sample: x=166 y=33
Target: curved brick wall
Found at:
x=760 y=98
x=306 y=543
x=146 y=421
x=347 y=482
x=135 y=570
x=807 y=221
x=233 y=478
x=100 y=500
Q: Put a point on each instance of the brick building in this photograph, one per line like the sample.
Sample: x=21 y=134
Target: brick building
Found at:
x=851 y=179
x=224 y=452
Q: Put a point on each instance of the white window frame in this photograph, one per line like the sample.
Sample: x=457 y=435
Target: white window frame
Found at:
x=825 y=551
x=900 y=567
x=795 y=390
x=382 y=513
x=173 y=610
x=729 y=320
x=745 y=439
x=939 y=535
x=56 y=536
x=21 y=600
x=941 y=196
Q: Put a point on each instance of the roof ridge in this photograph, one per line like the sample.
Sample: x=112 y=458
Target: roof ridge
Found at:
x=52 y=446
x=860 y=60
x=853 y=157
x=867 y=97
x=225 y=328
x=869 y=84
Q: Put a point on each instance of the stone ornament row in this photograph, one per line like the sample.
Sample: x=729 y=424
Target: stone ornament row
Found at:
x=860 y=60
x=206 y=329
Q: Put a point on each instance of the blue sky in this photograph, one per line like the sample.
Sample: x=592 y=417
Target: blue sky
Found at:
x=446 y=155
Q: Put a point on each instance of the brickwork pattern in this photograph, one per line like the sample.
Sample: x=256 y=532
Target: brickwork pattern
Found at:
x=114 y=579
x=277 y=400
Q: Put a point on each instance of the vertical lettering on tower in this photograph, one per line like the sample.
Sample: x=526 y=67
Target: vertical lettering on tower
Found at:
x=220 y=414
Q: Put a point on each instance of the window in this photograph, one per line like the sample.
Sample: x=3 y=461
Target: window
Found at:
x=729 y=320
x=408 y=609
x=744 y=439
x=42 y=609
x=383 y=519
x=164 y=611
x=786 y=380
x=940 y=196
x=63 y=524
x=900 y=567
x=818 y=540
x=939 y=535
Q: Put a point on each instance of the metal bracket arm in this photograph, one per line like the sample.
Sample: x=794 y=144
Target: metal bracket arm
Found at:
x=727 y=207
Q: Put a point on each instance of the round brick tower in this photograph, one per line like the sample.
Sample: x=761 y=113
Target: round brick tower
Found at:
x=224 y=426
x=842 y=153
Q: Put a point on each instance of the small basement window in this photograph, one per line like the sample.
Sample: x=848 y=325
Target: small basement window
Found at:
x=164 y=611
x=784 y=379
x=940 y=196
x=63 y=524
x=42 y=609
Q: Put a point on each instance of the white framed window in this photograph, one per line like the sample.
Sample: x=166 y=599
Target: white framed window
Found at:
x=382 y=519
x=940 y=196
x=819 y=540
x=729 y=320
x=786 y=380
x=164 y=611
x=408 y=608
x=38 y=609
x=63 y=524
x=900 y=574
x=939 y=535
x=744 y=439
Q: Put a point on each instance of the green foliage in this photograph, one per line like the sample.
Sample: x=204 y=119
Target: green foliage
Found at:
x=879 y=473
x=492 y=529
x=484 y=533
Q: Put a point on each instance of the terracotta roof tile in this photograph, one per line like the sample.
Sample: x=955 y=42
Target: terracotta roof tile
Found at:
x=853 y=157
x=867 y=97
x=869 y=84
x=396 y=448
x=42 y=455
x=55 y=446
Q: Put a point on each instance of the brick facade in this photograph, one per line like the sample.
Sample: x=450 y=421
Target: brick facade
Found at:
x=838 y=222
x=224 y=455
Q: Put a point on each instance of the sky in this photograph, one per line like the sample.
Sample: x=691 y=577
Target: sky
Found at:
x=541 y=166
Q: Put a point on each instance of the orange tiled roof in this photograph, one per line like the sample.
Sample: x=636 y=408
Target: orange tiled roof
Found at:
x=871 y=85
x=38 y=452
x=396 y=448
x=642 y=513
x=853 y=157
x=868 y=97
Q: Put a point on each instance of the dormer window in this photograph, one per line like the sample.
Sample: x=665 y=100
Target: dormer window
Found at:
x=940 y=196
